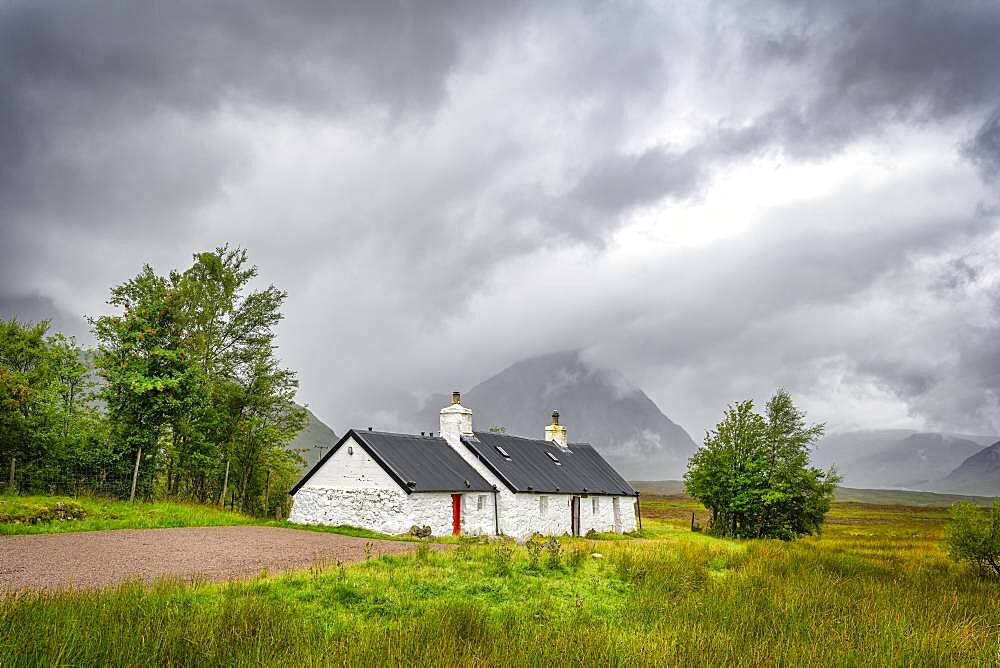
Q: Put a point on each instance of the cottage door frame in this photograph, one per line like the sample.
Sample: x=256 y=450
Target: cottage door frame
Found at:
x=574 y=515
x=456 y=514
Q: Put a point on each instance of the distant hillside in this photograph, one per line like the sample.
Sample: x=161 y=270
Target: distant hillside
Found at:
x=313 y=441
x=597 y=405
x=895 y=458
x=979 y=474
x=878 y=497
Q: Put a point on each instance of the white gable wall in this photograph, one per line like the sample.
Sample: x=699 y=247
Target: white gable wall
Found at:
x=344 y=470
x=352 y=488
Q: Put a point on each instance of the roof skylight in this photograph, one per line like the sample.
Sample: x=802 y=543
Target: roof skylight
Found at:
x=502 y=451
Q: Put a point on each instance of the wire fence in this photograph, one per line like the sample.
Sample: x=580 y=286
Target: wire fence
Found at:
x=148 y=485
x=27 y=479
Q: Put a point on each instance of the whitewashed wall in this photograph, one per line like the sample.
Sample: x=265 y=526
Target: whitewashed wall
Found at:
x=351 y=467
x=520 y=515
x=604 y=519
x=391 y=511
x=384 y=510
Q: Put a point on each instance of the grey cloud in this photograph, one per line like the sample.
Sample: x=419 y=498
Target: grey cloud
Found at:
x=458 y=145
x=984 y=148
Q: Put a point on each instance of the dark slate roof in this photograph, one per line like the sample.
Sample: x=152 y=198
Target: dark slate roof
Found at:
x=529 y=466
x=416 y=463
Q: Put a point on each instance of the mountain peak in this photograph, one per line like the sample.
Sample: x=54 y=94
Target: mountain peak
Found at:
x=598 y=405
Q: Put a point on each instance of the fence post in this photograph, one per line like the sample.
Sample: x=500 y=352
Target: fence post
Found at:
x=10 y=480
x=135 y=475
x=267 y=490
x=225 y=484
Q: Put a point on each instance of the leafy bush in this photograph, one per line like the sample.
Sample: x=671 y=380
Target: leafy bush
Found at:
x=974 y=536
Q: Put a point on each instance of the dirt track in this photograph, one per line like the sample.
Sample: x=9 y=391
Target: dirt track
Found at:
x=95 y=559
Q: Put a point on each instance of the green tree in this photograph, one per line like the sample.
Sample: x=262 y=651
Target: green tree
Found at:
x=974 y=536
x=23 y=373
x=240 y=431
x=149 y=375
x=752 y=473
x=193 y=380
x=48 y=422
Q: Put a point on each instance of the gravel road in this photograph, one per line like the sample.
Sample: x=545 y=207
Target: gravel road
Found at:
x=96 y=559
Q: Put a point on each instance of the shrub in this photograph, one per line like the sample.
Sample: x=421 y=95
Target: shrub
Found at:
x=502 y=556
x=553 y=554
x=535 y=545
x=974 y=536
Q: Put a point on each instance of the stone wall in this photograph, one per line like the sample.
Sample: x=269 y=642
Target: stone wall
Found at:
x=384 y=510
x=391 y=511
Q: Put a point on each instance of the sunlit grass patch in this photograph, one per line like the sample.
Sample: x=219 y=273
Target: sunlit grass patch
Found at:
x=862 y=593
x=99 y=513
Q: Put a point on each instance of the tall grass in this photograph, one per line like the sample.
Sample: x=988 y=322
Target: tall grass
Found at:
x=40 y=514
x=20 y=515
x=861 y=594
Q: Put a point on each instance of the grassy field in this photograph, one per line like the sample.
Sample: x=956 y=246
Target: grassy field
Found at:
x=875 y=589
x=47 y=514
x=50 y=514
x=897 y=497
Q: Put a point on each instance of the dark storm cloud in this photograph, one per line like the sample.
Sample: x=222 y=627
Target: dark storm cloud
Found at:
x=984 y=148
x=393 y=160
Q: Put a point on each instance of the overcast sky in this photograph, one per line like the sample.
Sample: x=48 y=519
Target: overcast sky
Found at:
x=715 y=198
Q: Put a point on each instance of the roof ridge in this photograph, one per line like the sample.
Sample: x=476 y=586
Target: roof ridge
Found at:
x=392 y=433
x=526 y=438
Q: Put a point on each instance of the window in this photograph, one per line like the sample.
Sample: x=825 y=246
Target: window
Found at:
x=553 y=458
x=595 y=504
x=502 y=452
x=543 y=505
x=481 y=502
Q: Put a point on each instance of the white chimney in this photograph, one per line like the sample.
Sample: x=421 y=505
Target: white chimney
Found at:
x=556 y=432
x=456 y=421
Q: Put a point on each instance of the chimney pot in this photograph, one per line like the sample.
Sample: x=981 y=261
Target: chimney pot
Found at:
x=456 y=397
x=555 y=432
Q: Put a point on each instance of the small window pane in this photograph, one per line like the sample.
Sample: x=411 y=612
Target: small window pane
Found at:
x=543 y=505
x=596 y=504
x=481 y=502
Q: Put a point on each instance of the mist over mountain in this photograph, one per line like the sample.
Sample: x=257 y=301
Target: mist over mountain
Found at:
x=979 y=474
x=896 y=458
x=598 y=406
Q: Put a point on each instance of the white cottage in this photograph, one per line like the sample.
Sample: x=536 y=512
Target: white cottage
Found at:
x=466 y=482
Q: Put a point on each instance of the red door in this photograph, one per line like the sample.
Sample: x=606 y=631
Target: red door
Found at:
x=456 y=514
